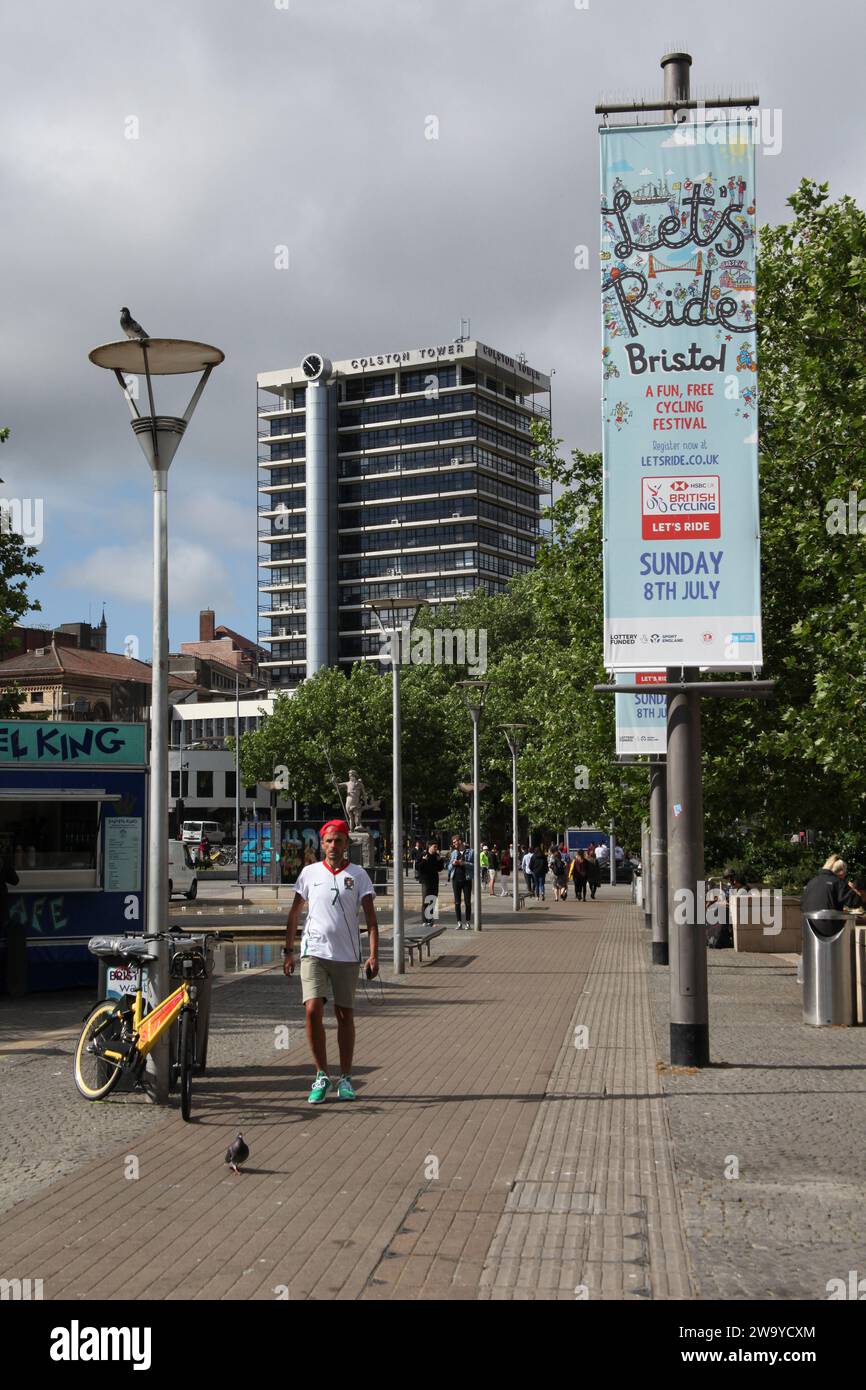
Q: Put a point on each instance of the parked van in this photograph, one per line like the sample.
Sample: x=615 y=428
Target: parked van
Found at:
x=193 y=830
x=181 y=871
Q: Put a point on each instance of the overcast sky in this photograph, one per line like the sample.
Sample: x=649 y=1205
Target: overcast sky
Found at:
x=304 y=123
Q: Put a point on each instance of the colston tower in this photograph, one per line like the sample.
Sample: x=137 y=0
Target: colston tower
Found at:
x=402 y=474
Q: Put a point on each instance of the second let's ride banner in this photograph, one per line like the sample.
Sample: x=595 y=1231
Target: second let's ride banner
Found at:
x=680 y=396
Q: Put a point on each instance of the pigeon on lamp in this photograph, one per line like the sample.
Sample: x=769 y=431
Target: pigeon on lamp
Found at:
x=237 y=1153
x=129 y=325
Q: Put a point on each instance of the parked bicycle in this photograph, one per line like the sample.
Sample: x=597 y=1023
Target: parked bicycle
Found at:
x=118 y=1034
x=225 y=856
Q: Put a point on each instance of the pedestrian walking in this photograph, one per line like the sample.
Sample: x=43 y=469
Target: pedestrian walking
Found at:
x=430 y=866
x=577 y=874
x=334 y=891
x=527 y=872
x=204 y=852
x=461 y=882
x=485 y=866
x=493 y=857
x=593 y=873
x=559 y=870
x=538 y=869
x=505 y=867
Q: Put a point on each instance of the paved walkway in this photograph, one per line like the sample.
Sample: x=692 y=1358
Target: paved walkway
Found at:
x=516 y=1135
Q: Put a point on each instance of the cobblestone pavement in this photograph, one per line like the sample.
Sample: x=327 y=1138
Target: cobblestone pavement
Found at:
x=490 y=1153
x=788 y=1103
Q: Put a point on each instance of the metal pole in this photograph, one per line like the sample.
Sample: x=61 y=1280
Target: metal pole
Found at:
x=514 y=855
x=238 y=774
x=397 y=816
x=612 y=865
x=476 y=824
x=689 y=1028
x=157 y=903
x=677 y=73
x=659 y=862
x=646 y=873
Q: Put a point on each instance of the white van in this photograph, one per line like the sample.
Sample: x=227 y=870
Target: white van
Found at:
x=192 y=831
x=182 y=876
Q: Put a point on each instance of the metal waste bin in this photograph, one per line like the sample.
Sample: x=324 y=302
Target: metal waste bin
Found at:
x=828 y=991
x=204 y=987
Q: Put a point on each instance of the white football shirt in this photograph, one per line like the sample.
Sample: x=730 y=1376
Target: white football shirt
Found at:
x=333 y=902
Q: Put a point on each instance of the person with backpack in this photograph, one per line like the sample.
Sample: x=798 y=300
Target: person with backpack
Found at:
x=559 y=869
x=538 y=869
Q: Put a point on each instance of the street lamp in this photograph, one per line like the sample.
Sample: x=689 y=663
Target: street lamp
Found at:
x=159 y=437
x=474 y=693
x=387 y=612
x=515 y=735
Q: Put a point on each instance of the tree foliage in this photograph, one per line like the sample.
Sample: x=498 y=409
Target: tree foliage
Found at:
x=17 y=565
x=769 y=768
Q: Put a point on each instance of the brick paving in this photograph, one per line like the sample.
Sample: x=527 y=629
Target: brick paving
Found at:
x=487 y=1156
x=788 y=1103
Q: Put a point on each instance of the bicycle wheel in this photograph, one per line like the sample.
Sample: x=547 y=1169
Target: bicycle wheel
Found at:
x=96 y=1073
x=186 y=1049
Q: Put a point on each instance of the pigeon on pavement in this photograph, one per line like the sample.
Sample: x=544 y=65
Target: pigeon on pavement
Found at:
x=129 y=325
x=237 y=1153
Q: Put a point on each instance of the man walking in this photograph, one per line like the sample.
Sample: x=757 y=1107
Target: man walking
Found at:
x=333 y=890
x=527 y=872
x=538 y=869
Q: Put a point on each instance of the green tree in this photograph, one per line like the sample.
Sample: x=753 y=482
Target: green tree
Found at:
x=17 y=565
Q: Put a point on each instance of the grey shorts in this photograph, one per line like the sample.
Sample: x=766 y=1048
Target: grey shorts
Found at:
x=329 y=979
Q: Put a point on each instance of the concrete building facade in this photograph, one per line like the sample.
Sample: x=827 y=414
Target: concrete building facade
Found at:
x=404 y=474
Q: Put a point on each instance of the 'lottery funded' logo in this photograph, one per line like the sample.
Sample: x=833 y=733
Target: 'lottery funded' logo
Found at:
x=681 y=507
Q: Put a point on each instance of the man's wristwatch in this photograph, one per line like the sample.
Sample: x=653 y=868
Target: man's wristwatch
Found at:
x=288 y=950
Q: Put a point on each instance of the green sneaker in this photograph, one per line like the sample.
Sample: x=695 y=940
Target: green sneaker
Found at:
x=321 y=1086
x=345 y=1089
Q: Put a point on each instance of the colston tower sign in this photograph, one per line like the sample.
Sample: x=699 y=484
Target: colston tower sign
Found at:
x=681 y=527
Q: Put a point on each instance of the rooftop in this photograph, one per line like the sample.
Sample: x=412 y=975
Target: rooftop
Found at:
x=526 y=378
x=72 y=661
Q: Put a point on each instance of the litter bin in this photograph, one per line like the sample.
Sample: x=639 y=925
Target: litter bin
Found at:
x=828 y=993
x=204 y=984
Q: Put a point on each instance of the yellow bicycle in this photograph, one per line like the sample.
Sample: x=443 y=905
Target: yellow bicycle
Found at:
x=118 y=1034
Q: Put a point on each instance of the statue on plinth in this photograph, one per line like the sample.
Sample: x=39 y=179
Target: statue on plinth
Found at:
x=357 y=800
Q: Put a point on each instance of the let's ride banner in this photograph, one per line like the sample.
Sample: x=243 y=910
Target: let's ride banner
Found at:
x=680 y=396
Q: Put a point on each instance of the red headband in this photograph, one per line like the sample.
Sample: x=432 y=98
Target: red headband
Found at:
x=338 y=826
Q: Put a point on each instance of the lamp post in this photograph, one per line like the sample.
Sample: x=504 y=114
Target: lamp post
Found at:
x=474 y=693
x=515 y=735
x=159 y=437
x=387 y=612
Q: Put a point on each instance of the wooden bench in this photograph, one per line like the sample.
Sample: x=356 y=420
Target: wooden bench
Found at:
x=417 y=938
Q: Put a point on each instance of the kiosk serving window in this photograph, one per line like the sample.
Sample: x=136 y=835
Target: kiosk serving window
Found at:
x=50 y=834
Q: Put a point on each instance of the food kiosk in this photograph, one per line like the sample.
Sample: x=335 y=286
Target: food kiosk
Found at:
x=73 y=828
